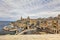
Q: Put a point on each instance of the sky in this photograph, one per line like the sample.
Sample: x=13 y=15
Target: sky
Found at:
x=12 y=10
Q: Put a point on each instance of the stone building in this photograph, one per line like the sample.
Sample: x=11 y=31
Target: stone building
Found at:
x=52 y=23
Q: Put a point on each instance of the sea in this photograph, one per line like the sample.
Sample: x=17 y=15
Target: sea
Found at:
x=2 y=24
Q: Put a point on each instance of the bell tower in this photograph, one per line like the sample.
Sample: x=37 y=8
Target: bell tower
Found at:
x=28 y=17
x=21 y=18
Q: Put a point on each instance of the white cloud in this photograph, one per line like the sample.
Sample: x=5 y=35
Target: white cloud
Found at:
x=14 y=9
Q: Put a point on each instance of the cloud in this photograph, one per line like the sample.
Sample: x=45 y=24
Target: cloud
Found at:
x=14 y=9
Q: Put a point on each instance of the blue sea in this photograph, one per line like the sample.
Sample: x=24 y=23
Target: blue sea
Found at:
x=2 y=24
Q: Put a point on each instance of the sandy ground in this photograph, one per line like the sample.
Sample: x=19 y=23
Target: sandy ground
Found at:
x=31 y=37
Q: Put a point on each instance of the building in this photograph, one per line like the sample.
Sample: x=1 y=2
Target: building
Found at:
x=52 y=23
